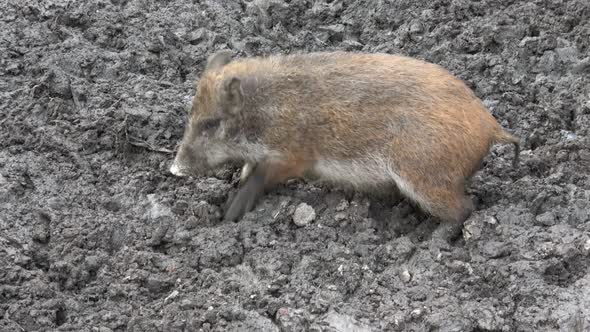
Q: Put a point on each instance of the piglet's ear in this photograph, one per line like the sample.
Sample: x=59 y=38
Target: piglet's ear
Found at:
x=218 y=60
x=232 y=96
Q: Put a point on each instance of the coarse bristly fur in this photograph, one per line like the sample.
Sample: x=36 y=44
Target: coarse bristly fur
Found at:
x=364 y=120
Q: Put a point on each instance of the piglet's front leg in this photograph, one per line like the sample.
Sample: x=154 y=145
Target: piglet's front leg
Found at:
x=245 y=200
x=264 y=177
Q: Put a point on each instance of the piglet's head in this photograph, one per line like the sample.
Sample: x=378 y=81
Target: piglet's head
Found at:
x=213 y=120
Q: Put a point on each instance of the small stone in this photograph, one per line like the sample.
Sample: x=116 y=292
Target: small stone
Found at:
x=191 y=222
x=351 y=44
x=150 y=95
x=160 y=232
x=461 y=267
x=157 y=284
x=547 y=61
x=567 y=54
x=304 y=214
x=491 y=220
x=58 y=83
x=495 y=249
x=187 y=304
x=197 y=36
x=70 y=233
x=41 y=231
x=568 y=136
x=138 y=112
x=182 y=236
x=580 y=209
x=471 y=231
x=545 y=219
x=587 y=245
x=172 y=296
x=158 y=209
x=92 y=262
x=474 y=225
x=416 y=27
x=340 y=216
x=405 y=275
x=545 y=249
x=416 y=313
x=490 y=103
x=343 y=205
x=400 y=248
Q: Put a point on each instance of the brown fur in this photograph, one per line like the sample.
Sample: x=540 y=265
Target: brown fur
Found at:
x=326 y=114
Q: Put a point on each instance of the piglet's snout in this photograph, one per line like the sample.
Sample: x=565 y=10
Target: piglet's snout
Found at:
x=175 y=169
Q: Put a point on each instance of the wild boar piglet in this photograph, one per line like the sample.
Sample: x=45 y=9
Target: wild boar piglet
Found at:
x=369 y=121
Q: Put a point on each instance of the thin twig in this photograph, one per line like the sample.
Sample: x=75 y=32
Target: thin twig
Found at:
x=148 y=146
x=142 y=144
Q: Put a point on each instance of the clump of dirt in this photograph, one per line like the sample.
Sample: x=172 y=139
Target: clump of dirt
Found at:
x=95 y=235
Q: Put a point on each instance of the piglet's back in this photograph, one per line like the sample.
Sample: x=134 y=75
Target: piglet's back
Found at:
x=326 y=106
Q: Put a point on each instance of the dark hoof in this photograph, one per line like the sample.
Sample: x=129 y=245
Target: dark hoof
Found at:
x=239 y=206
x=245 y=200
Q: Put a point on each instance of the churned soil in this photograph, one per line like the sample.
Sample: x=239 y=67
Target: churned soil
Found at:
x=95 y=235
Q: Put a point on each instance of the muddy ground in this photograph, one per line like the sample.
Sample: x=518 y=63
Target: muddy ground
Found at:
x=95 y=235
